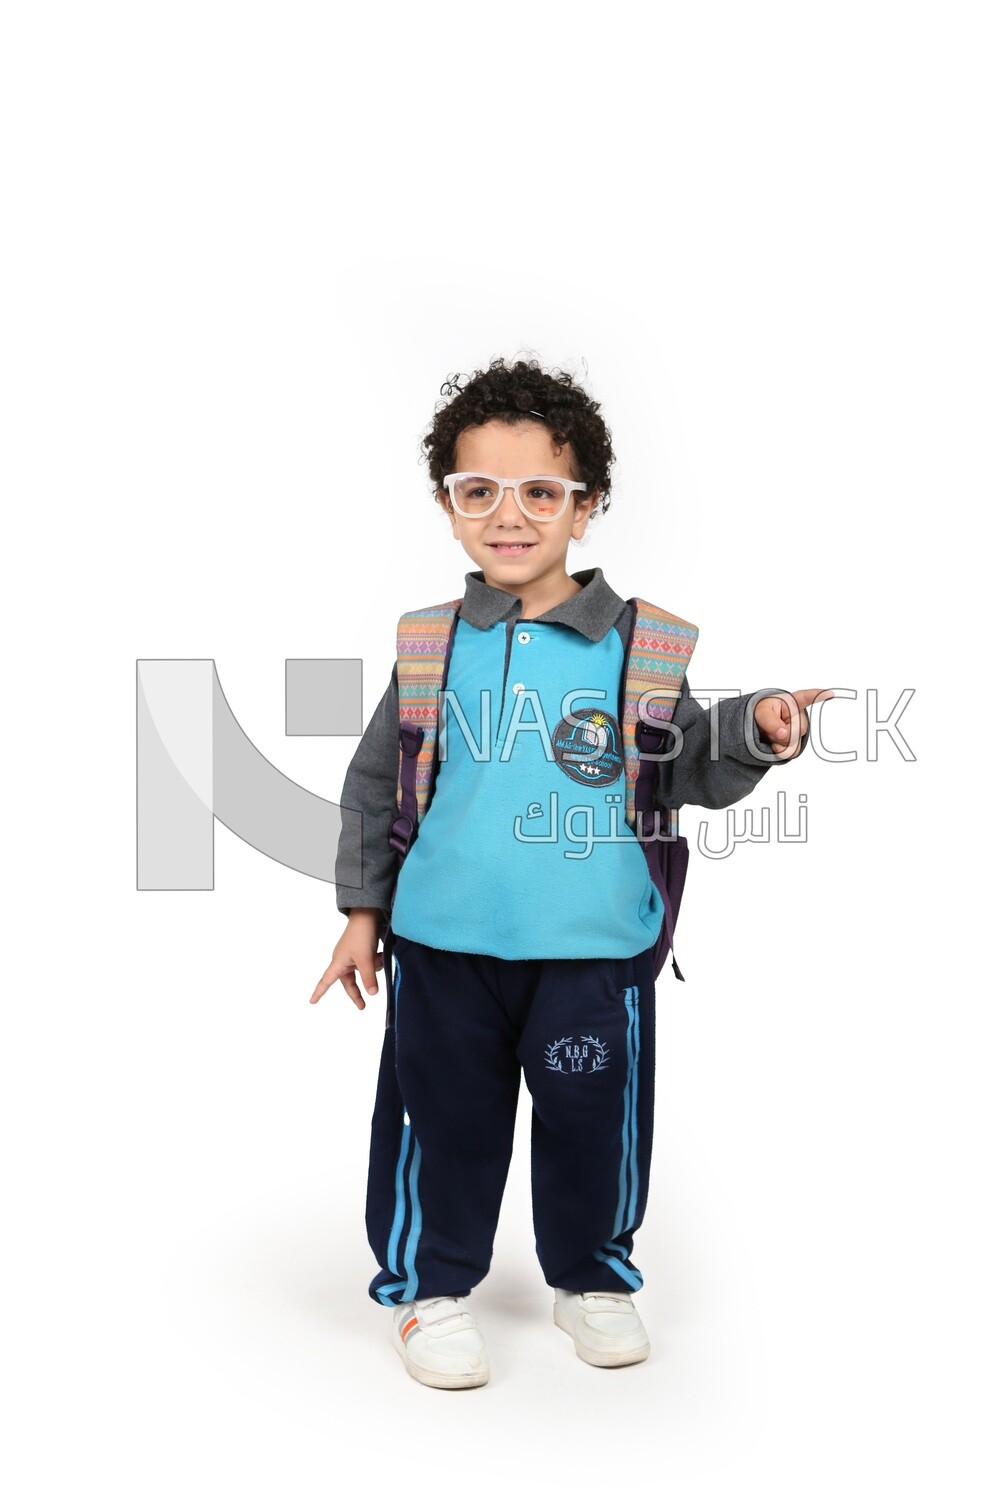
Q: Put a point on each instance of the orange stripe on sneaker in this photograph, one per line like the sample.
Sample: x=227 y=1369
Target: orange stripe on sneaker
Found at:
x=408 y=1327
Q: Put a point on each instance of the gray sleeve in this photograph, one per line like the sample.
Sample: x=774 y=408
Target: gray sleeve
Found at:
x=708 y=776
x=366 y=866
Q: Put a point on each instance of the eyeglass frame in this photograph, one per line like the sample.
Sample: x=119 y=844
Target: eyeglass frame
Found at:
x=514 y=485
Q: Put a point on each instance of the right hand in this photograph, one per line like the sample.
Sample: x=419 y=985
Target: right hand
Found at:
x=356 y=950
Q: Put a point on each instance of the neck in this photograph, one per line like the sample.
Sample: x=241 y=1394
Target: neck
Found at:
x=540 y=594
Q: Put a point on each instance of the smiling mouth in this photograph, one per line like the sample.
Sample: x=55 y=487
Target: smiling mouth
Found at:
x=512 y=547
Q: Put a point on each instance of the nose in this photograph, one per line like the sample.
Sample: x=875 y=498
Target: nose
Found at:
x=508 y=510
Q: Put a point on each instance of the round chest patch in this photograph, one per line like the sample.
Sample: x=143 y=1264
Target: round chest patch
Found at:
x=588 y=747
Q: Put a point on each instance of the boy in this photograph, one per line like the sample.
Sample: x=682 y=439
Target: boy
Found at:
x=510 y=953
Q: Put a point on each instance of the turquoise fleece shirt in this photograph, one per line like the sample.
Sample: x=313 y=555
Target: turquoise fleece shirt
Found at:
x=524 y=851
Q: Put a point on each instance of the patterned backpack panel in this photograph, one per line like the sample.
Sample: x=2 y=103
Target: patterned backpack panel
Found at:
x=660 y=650
x=422 y=637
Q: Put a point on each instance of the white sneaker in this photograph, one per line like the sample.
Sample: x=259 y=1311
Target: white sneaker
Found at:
x=604 y=1326
x=439 y=1342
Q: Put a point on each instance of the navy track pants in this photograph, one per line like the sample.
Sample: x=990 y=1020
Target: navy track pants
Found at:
x=460 y=1027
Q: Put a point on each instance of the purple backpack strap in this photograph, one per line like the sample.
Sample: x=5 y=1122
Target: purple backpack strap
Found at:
x=667 y=860
x=411 y=737
x=659 y=649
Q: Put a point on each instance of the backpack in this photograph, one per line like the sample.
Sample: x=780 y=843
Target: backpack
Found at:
x=660 y=646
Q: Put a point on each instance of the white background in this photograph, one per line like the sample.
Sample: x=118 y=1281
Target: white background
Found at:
x=244 y=246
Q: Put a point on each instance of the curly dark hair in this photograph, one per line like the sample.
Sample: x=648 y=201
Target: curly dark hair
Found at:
x=509 y=393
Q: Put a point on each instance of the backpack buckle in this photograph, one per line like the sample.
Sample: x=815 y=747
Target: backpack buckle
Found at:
x=650 y=740
x=411 y=737
x=400 y=833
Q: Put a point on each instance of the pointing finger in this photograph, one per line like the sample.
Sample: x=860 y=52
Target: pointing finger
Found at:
x=805 y=696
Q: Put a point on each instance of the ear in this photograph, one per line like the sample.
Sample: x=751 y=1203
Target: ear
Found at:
x=585 y=507
x=444 y=500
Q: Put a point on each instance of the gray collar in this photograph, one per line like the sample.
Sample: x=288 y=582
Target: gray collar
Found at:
x=592 y=611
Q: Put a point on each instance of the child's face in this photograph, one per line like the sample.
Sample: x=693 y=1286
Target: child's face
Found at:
x=516 y=453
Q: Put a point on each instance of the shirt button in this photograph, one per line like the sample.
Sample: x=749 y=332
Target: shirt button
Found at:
x=518 y=687
x=523 y=637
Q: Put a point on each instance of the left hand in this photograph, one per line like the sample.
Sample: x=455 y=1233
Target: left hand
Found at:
x=780 y=726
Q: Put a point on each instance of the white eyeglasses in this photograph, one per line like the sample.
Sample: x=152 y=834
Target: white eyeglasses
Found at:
x=543 y=497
